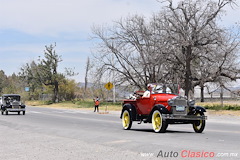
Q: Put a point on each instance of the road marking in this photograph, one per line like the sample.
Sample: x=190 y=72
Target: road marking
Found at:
x=80 y=118
x=179 y=127
x=118 y=142
x=57 y=111
x=60 y=112
x=34 y=112
x=213 y=130
x=72 y=111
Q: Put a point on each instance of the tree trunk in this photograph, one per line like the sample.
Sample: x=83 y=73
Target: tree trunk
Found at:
x=202 y=93
x=56 y=91
x=221 y=96
x=188 y=82
x=86 y=74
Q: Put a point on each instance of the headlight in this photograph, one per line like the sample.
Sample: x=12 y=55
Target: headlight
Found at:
x=170 y=102
x=191 y=102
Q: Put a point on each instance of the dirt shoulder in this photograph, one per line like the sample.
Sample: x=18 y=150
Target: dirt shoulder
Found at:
x=223 y=116
x=224 y=112
x=116 y=109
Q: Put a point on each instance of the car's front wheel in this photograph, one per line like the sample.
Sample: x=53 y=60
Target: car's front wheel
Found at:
x=199 y=125
x=126 y=120
x=158 y=123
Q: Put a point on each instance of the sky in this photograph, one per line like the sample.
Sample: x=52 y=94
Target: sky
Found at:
x=27 y=26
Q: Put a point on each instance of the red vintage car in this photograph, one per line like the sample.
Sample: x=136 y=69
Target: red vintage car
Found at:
x=160 y=106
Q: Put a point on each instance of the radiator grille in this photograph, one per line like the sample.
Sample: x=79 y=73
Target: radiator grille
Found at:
x=180 y=102
x=15 y=107
x=15 y=103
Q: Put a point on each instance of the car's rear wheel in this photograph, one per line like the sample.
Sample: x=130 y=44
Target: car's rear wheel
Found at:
x=199 y=125
x=158 y=123
x=126 y=120
x=2 y=112
x=23 y=112
x=6 y=112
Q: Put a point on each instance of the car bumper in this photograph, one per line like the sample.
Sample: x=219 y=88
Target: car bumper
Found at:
x=15 y=109
x=183 y=117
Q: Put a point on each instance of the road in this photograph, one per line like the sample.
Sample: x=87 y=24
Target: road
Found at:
x=62 y=134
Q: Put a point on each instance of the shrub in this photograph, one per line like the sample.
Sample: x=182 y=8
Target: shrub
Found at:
x=219 y=107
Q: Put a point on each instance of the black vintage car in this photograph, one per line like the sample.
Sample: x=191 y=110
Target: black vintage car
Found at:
x=12 y=103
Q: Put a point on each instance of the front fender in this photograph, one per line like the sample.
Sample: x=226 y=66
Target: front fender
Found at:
x=159 y=107
x=199 y=109
x=3 y=108
x=131 y=109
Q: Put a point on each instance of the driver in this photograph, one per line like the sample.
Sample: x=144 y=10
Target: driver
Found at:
x=147 y=93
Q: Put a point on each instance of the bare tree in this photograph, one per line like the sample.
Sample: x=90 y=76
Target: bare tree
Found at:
x=135 y=46
x=86 y=73
x=178 y=44
x=221 y=63
x=190 y=27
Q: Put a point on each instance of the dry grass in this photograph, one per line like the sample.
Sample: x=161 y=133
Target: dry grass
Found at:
x=224 y=112
x=70 y=105
x=219 y=103
x=216 y=109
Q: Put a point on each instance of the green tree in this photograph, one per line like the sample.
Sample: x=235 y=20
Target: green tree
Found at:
x=67 y=90
x=3 y=81
x=12 y=85
x=43 y=77
x=48 y=73
x=29 y=74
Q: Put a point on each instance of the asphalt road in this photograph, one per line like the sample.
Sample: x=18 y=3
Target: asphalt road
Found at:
x=62 y=134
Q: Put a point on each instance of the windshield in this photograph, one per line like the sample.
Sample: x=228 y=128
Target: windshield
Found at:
x=166 y=88
x=12 y=98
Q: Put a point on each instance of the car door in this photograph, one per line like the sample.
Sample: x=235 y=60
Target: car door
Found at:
x=144 y=105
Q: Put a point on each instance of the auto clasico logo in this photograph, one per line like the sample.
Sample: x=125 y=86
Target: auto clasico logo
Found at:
x=185 y=154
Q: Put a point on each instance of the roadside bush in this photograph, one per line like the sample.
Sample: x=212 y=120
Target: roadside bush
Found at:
x=47 y=102
x=219 y=107
x=90 y=104
x=84 y=104
x=38 y=103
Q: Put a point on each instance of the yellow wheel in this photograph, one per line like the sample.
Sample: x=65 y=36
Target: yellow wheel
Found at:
x=158 y=124
x=126 y=120
x=199 y=125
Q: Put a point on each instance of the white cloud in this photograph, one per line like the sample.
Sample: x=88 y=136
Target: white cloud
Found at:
x=24 y=48
x=67 y=22
x=53 y=16
x=50 y=17
x=230 y=16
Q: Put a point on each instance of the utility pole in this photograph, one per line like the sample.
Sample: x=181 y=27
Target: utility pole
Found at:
x=113 y=79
